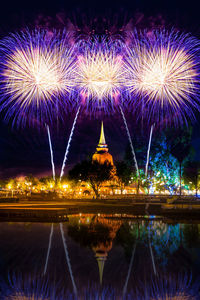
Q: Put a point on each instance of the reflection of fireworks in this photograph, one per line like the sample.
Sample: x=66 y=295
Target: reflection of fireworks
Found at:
x=36 y=69
x=27 y=287
x=162 y=70
x=174 y=287
x=100 y=74
x=166 y=286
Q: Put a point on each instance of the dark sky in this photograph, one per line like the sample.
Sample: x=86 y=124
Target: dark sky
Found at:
x=183 y=14
x=26 y=151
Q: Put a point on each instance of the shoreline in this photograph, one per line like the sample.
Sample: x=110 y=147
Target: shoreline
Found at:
x=58 y=210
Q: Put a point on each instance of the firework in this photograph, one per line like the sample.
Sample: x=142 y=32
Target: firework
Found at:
x=162 y=75
x=37 y=71
x=68 y=144
x=100 y=72
x=148 y=150
x=99 y=77
x=51 y=152
x=130 y=141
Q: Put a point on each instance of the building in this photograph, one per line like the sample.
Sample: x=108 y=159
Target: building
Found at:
x=102 y=155
x=111 y=187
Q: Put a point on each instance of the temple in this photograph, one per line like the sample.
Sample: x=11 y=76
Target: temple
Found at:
x=102 y=155
x=107 y=188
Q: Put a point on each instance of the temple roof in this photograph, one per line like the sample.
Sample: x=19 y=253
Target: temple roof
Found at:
x=102 y=155
x=102 y=139
x=102 y=146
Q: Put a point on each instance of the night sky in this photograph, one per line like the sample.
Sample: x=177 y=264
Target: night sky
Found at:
x=25 y=151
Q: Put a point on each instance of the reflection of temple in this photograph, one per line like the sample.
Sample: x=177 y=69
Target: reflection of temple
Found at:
x=102 y=248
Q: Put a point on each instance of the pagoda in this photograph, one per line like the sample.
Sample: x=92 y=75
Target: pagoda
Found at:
x=102 y=155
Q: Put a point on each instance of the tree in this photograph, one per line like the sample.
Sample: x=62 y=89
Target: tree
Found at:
x=123 y=172
x=191 y=174
x=180 y=146
x=92 y=172
x=31 y=179
x=163 y=172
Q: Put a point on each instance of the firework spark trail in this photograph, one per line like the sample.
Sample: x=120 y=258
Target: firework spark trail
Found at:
x=68 y=144
x=51 y=152
x=148 y=151
x=130 y=141
x=129 y=272
x=49 y=248
x=68 y=260
x=163 y=68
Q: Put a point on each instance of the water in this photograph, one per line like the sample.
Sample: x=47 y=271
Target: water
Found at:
x=108 y=257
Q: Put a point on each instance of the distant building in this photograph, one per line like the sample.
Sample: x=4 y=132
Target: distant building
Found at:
x=102 y=155
x=110 y=187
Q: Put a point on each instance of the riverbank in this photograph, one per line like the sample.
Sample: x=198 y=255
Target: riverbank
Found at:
x=57 y=210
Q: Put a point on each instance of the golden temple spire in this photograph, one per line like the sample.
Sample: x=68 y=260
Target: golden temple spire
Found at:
x=101 y=154
x=102 y=146
x=102 y=140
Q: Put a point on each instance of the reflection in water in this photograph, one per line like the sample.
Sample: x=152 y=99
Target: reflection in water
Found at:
x=98 y=234
x=172 y=287
x=68 y=260
x=19 y=288
x=100 y=257
x=152 y=256
x=49 y=249
x=129 y=271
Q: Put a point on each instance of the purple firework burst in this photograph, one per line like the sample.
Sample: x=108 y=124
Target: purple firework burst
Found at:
x=100 y=74
x=38 y=72
x=162 y=71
